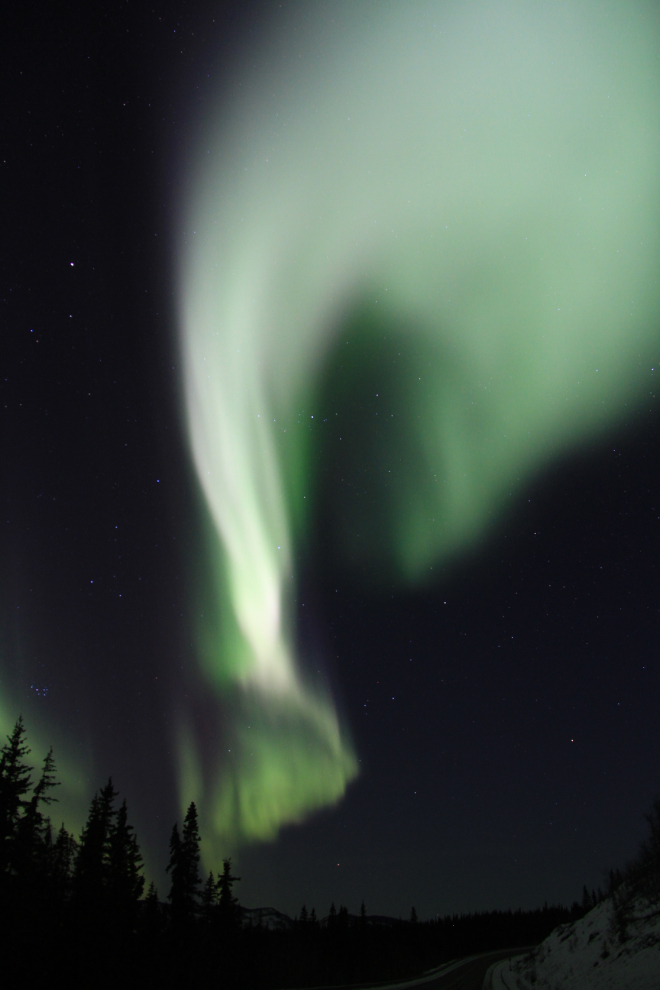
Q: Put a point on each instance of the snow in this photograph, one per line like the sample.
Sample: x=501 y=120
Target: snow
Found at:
x=587 y=955
x=268 y=917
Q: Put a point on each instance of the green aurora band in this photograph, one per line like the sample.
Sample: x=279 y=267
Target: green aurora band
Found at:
x=469 y=187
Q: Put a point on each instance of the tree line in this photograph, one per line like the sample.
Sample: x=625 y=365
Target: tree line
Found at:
x=78 y=906
x=81 y=902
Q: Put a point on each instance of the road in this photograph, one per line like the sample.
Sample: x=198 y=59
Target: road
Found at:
x=468 y=975
x=465 y=974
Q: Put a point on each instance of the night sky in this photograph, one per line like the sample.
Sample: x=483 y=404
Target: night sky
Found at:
x=505 y=716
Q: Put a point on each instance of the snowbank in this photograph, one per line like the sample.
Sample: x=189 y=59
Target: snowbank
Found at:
x=587 y=955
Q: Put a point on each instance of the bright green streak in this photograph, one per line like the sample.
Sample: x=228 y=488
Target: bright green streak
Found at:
x=473 y=186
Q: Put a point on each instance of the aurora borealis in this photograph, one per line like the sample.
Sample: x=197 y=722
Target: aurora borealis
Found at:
x=330 y=436
x=470 y=189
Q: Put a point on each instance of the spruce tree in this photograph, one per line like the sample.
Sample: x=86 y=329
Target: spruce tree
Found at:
x=33 y=840
x=151 y=902
x=91 y=866
x=175 y=868
x=15 y=782
x=124 y=861
x=362 y=942
x=190 y=846
x=25 y=831
x=152 y=919
x=228 y=909
x=62 y=857
x=183 y=868
x=47 y=780
x=648 y=860
x=209 y=899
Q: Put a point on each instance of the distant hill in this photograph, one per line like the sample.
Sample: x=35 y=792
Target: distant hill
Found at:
x=275 y=920
x=267 y=917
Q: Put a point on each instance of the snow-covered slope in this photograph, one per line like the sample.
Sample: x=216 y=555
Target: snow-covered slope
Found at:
x=587 y=955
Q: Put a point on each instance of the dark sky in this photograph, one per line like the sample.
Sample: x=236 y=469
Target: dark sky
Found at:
x=506 y=719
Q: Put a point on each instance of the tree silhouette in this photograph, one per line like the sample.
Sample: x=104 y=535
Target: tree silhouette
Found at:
x=32 y=838
x=227 y=903
x=34 y=844
x=209 y=899
x=63 y=854
x=152 y=920
x=91 y=866
x=190 y=849
x=15 y=782
x=125 y=883
x=183 y=868
x=84 y=902
x=639 y=879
